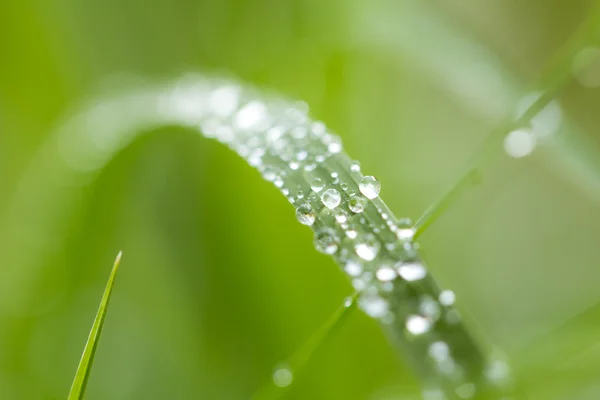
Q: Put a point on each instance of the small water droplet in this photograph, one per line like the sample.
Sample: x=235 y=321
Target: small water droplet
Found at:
x=357 y=204
x=334 y=143
x=270 y=173
x=326 y=242
x=367 y=247
x=466 y=391
x=439 y=351
x=370 y=187
x=317 y=184
x=355 y=166
x=417 y=325
x=375 y=306
x=283 y=377
x=519 y=143
x=353 y=268
x=447 y=298
x=348 y=302
x=385 y=274
x=331 y=198
x=341 y=216
x=412 y=271
x=430 y=308
x=305 y=215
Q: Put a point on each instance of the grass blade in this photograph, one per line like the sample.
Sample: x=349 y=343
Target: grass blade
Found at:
x=302 y=356
x=87 y=358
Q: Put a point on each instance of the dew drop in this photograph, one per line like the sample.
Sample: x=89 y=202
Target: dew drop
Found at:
x=519 y=143
x=353 y=268
x=252 y=116
x=355 y=166
x=334 y=143
x=317 y=184
x=466 y=391
x=412 y=271
x=417 y=325
x=439 y=351
x=367 y=247
x=283 y=377
x=305 y=215
x=374 y=305
x=385 y=274
x=447 y=298
x=357 y=204
x=331 y=198
x=326 y=242
x=341 y=216
x=370 y=187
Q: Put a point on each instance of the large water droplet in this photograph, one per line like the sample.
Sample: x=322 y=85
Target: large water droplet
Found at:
x=306 y=215
x=367 y=247
x=331 y=198
x=357 y=204
x=370 y=187
x=326 y=242
x=412 y=271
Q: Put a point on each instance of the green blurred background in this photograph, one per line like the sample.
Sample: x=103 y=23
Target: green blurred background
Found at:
x=219 y=283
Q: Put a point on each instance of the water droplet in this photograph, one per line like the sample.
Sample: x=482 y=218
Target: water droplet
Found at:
x=466 y=391
x=283 y=377
x=353 y=268
x=317 y=184
x=306 y=215
x=370 y=187
x=439 y=351
x=373 y=305
x=252 y=116
x=326 y=242
x=430 y=308
x=519 y=143
x=302 y=155
x=333 y=142
x=224 y=100
x=367 y=247
x=434 y=394
x=385 y=274
x=341 y=216
x=498 y=371
x=357 y=204
x=355 y=166
x=348 y=302
x=412 y=271
x=270 y=173
x=331 y=198
x=417 y=325
x=447 y=298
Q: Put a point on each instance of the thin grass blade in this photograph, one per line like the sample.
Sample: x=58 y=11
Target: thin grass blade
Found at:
x=85 y=364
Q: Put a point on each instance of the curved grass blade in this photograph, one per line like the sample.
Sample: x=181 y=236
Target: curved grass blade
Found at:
x=87 y=358
x=275 y=388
